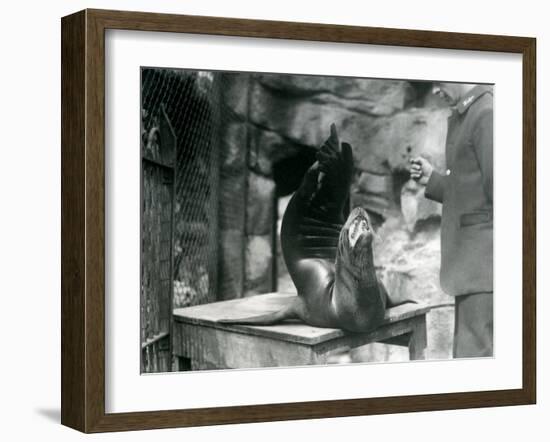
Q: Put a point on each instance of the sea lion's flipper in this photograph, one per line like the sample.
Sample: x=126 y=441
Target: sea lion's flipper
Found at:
x=313 y=218
x=393 y=300
x=335 y=163
x=288 y=312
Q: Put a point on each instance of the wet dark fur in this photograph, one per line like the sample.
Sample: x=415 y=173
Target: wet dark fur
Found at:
x=337 y=284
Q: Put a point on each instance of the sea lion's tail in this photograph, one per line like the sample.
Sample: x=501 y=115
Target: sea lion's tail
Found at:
x=288 y=312
x=394 y=301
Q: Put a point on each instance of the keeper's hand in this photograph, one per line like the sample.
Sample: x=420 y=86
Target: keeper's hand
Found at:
x=420 y=170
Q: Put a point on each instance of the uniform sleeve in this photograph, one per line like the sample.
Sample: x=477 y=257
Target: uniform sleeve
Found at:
x=435 y=187
x=482 y=139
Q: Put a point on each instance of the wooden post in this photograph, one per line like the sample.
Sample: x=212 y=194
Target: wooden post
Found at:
x=418 y=341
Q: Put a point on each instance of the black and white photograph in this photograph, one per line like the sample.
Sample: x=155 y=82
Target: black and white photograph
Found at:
x=296 y=220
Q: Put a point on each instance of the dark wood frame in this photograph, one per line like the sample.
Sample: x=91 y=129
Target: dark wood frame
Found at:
x=83 y=218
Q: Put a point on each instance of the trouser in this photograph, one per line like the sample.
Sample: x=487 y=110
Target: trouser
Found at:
x=473 y=325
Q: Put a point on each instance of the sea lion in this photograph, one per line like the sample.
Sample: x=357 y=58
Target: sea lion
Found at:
x=330 y=262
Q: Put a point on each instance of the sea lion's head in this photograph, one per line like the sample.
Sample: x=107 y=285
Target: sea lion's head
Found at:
x=355 y=243
x=360 y=302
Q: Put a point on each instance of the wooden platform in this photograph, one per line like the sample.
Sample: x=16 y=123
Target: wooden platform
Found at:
x=202 y=343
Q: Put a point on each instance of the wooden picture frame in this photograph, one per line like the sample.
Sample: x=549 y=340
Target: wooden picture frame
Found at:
x=83 y=220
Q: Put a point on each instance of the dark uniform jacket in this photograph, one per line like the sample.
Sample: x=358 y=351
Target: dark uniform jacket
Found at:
x=466 y=191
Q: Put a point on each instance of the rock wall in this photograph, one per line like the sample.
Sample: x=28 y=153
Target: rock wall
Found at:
x=247 y=203
x=233 y=185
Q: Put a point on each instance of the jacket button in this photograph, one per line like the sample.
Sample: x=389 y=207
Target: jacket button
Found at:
x=448 y=172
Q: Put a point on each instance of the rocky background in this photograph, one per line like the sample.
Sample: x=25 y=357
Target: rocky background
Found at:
x=277 y=123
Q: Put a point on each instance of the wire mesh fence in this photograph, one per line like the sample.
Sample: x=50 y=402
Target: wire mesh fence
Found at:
x=183 y=118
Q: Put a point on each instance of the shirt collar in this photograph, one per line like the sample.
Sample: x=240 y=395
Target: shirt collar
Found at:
x=471 y=96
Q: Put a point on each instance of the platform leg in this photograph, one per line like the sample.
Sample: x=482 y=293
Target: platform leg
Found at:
x=418 y=341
